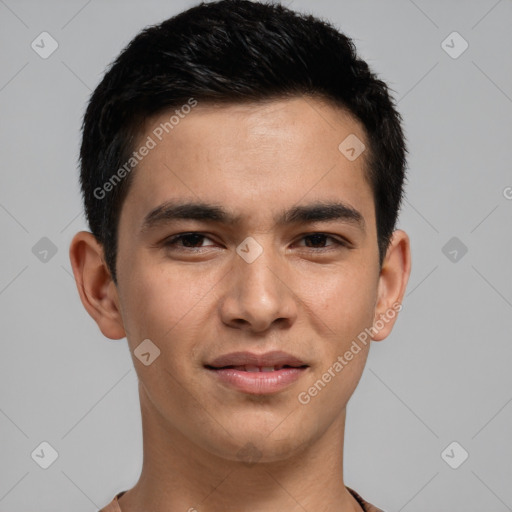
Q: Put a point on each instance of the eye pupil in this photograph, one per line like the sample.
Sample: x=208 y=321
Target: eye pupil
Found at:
x=192 y=236
x=315 y=237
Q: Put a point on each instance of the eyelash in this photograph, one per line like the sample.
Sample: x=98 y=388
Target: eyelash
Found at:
x=172 y=241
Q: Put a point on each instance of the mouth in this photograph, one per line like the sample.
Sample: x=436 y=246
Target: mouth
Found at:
x=264 y=374
x=255 y=369
x=275 y=360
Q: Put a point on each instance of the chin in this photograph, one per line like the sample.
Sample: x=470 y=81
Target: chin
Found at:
x=257 y=446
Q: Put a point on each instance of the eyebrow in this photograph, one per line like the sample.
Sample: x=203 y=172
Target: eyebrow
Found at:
x=200 y=211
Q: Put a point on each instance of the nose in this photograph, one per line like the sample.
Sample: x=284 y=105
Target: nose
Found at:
x=258 y=297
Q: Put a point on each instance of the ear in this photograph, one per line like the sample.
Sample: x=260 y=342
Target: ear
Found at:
x=393 y=279
x=97 y=290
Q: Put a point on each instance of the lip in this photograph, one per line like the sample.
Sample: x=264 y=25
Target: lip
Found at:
x=260 y=382
x=273 y=358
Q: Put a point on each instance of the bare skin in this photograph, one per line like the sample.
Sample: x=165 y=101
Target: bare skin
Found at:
x=199 y=299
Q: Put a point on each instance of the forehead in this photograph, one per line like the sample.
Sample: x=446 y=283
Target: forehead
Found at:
x=254 y=158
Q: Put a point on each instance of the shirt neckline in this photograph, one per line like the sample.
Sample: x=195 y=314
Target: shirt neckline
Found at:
x=367 y=507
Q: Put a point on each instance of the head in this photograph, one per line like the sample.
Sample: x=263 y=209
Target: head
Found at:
x=233 y=52
x=243 y=109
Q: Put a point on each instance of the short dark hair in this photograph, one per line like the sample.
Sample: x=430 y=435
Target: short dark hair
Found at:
x=233 y=51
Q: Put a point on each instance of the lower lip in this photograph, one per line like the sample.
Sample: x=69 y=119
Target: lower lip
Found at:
x=259 y=383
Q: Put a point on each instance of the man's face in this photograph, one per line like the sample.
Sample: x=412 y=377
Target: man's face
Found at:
x=200 y=298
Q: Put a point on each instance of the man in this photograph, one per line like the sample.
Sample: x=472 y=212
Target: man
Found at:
x=242 y=174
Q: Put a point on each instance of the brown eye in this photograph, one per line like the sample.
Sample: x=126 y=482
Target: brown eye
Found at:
x=186 y=241
x=319 y=239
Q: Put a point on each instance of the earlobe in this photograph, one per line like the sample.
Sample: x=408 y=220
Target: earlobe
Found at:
x=394 y=275
x=97 y=291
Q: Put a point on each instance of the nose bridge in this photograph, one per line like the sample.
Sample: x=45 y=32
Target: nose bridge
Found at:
x=260 y=276
x=257 y=294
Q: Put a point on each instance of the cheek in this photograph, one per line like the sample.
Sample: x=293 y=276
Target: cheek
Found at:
x=344 y=300
x=156 y=312
x=164 y=305
x=151 y=303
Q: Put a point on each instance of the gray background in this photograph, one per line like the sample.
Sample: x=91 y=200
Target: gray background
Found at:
x=443 y=375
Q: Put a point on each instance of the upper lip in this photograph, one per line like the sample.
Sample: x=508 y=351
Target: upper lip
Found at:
x=273 y=358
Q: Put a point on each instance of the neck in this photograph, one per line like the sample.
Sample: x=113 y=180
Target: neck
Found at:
x=177 y=474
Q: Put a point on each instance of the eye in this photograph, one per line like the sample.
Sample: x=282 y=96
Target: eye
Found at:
x=193 y=241
x=189 y=240
x=319 y=239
